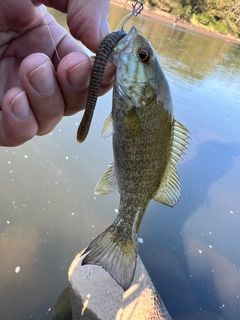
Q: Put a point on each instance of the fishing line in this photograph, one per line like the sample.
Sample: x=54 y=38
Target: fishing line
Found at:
x=51 y=36
x=121 y=22
x=136 y=10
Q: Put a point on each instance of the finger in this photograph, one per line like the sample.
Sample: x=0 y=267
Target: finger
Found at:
x=74 y=73
x=38 y=80
x=87 y=20
x=17 y=121
x=90 y=24
x=74 y=77
x=17 y=15
x=107 y=79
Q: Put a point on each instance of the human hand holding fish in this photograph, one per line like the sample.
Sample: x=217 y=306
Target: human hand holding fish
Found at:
x=37 y=89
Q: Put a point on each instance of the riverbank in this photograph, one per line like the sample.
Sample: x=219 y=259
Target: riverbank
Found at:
x=164 y=17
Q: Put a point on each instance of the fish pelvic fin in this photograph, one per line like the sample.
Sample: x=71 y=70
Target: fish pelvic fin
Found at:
x=107 y=183
x=107 y=129
x=169 y=191
x=116 y=255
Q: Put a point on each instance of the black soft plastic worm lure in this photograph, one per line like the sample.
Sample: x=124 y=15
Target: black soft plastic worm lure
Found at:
x=104 y=51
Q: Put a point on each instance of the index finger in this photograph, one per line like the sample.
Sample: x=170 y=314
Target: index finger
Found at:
x=87 y=20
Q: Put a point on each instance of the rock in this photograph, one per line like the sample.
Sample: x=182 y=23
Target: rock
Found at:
x=96 y=295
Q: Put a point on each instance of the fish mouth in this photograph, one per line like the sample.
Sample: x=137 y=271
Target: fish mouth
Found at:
x=123 y=44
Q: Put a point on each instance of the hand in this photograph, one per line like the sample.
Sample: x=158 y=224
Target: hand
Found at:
x=36 y=89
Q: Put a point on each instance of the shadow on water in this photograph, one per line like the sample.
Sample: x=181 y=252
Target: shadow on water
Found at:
x=62 y=308
x=167 y=259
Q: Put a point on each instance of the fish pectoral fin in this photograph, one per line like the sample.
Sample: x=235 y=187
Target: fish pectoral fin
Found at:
x=107 y=129
x=169 y=191
x=118 y=257
x=132 y=122
x=107 y=183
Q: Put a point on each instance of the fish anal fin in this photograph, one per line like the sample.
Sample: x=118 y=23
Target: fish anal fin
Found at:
x=107 y=183
x=117 y=258
x=169 y=191
x=107 y=129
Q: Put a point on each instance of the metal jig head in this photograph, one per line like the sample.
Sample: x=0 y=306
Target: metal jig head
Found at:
x=136 y=10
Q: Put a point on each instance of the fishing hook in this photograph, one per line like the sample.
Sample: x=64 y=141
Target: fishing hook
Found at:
x=136 y=10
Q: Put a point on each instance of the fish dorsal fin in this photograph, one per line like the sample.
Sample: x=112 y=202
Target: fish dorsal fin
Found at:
x=107 y=129
x=169 y=191
x=107 y=183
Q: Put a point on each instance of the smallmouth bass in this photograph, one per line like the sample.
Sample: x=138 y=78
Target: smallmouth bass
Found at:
x=147 y=145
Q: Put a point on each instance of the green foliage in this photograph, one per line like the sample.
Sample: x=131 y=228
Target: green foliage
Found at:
x=204 y=18
x=152 y=3
x=221 y=15
x=221 y=27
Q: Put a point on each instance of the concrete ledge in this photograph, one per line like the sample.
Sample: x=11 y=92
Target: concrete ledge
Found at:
x=96 y=296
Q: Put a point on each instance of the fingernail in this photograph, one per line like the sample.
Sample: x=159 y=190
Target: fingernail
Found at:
x=79 y=76
x=20 y=106
x=42 y=79
x=104 y=28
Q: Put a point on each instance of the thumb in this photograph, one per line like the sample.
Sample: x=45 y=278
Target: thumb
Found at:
x=87 y=19
x=17 y=121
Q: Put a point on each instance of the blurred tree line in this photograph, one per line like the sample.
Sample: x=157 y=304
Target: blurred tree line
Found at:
x=221 y=15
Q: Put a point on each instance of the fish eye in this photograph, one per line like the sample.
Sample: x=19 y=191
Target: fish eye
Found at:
x=144 y=55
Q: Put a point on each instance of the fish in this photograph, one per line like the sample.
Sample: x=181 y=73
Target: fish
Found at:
x=147 y=144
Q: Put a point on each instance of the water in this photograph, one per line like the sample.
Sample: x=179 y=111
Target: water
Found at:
x=49 y=211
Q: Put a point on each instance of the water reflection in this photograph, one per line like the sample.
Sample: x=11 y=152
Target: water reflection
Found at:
x=193 y=238
x=49 y=211
x=192 y=56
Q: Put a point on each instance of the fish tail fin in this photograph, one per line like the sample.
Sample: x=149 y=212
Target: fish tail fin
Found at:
x=116 y=255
